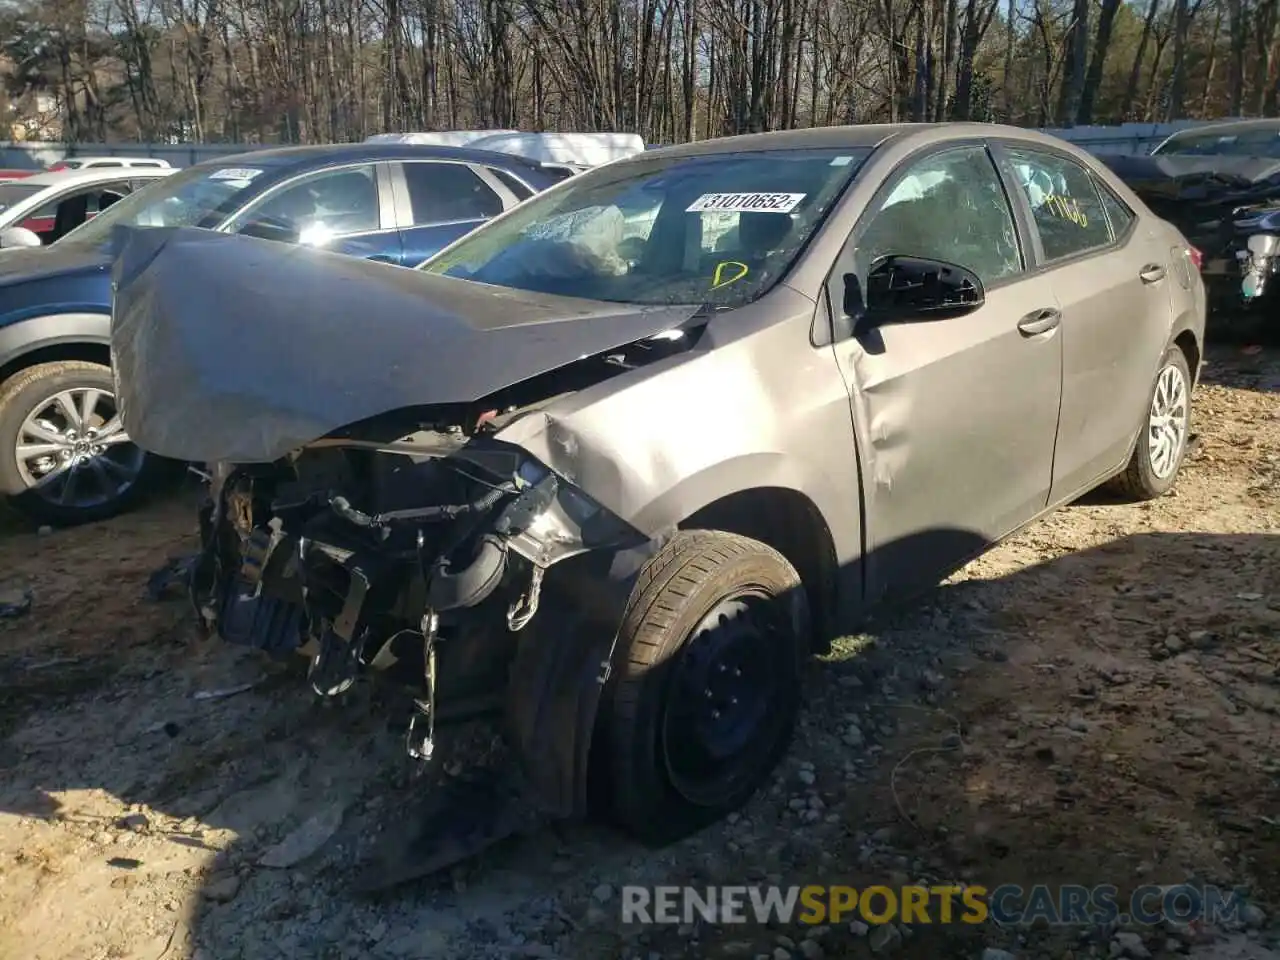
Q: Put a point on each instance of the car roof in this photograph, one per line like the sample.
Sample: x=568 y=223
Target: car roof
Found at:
x=69 y=178
x=317 y=154
x=854 y=137
x=1226 y=128
x=95 y=157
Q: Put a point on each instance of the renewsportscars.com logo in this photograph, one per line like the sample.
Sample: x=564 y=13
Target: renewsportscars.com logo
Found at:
x=1006 y=905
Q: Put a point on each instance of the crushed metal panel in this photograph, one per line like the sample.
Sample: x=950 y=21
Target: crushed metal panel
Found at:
x=234 y=348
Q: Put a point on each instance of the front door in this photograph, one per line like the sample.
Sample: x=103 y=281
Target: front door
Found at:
x=1111 y=274
x=956 y=416
x=342 y=209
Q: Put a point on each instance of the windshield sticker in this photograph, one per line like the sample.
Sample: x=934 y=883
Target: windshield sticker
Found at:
x=1066 y=208
x=746 y=202
x=727 y=272
x=235 y=173
x=841 y=161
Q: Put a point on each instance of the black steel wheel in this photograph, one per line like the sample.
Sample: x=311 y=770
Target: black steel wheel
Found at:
x=706 y=701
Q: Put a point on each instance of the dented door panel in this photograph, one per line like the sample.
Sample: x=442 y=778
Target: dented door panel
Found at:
x=958 y=417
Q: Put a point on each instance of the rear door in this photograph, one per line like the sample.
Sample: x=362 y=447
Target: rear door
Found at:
x=438 y=201
x=1110 y=273
x=957 y=414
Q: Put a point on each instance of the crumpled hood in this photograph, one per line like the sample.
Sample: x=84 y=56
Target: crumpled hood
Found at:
x=236 y=349
x=27 y=264
x=1173 y=169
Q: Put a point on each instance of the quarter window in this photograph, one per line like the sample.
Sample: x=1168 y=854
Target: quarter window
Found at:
x=952 y=207
x=448 y=192
x=1117 y=212
x=512 y=183
x=1064 y=202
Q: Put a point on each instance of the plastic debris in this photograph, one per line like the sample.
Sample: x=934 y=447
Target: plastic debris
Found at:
x=15 y=601
x=224 y=692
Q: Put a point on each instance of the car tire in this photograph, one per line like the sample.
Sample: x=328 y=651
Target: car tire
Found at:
x=1157 y=456
x=711 y=649
x=36 y=390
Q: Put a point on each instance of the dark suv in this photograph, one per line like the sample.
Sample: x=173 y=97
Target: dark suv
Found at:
x=64 y=457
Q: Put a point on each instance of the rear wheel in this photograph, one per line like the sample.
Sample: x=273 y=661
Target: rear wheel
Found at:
x=1162 y=443
x=714 y=638
x=64 y=455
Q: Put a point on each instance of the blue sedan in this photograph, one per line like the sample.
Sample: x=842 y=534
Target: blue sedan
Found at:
x=63 y=455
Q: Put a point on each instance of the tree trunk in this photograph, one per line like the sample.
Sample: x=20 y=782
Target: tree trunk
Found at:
x=1101 y=45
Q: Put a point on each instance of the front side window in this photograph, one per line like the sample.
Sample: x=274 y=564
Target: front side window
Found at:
x=332 y=203
x=1064 y=202
x=106 y=196
x=715 y=229
x=447 y=193
x=950 y=206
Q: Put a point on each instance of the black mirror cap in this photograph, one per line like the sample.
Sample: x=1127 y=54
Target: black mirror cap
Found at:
x=268 y=228
x=903 y=288
x=854 y=305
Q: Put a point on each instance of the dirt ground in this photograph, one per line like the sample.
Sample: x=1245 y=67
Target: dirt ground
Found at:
x=1095 y=701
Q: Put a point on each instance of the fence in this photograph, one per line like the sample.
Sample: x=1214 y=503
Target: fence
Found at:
x=1130 y=138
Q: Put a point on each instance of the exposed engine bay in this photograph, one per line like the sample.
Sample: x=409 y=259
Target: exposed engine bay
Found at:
x=413 y=545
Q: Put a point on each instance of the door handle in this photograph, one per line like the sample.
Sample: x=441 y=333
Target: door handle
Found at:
x=1040 y=321
x=1151 y=273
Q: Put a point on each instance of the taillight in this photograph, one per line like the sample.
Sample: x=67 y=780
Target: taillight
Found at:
x=1196 y=257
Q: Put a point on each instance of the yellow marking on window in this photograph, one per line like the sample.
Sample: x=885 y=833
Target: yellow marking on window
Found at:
x=1067 y=208
x=718 y=279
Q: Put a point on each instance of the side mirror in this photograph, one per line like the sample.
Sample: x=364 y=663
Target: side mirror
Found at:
x=901 y=289
x=269 y=228
x=18 y=237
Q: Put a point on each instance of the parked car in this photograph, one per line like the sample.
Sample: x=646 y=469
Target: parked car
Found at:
x=393 y=203
x=15 y=173
x=96 y=163
x=1220 y=185
x=46 y=207
x=616 y=480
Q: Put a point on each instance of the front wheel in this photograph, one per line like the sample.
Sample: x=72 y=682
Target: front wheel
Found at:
x=713 y=640
x=1162 y=442
x=64 y=455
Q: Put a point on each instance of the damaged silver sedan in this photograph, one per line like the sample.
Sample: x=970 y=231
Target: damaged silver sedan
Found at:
x=615 y=464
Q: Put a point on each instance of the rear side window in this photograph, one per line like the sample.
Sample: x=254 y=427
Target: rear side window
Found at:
x=1064 y=201
x=448 y=192
x=512 y=183
x=1120 y=216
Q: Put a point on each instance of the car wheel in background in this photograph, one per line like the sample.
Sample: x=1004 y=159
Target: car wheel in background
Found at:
x=1162 y=442
x=64 y=456
x=712 y=645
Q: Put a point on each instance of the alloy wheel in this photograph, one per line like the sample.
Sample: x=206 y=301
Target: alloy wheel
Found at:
x=73 y=451
x=1167 y=423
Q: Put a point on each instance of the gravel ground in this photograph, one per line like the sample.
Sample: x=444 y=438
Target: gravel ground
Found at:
x=1095 y=701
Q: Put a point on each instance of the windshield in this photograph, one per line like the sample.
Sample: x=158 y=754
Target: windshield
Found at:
x=184 y=199
x=11 y=194
x=717 y=229
x=1254 y=143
